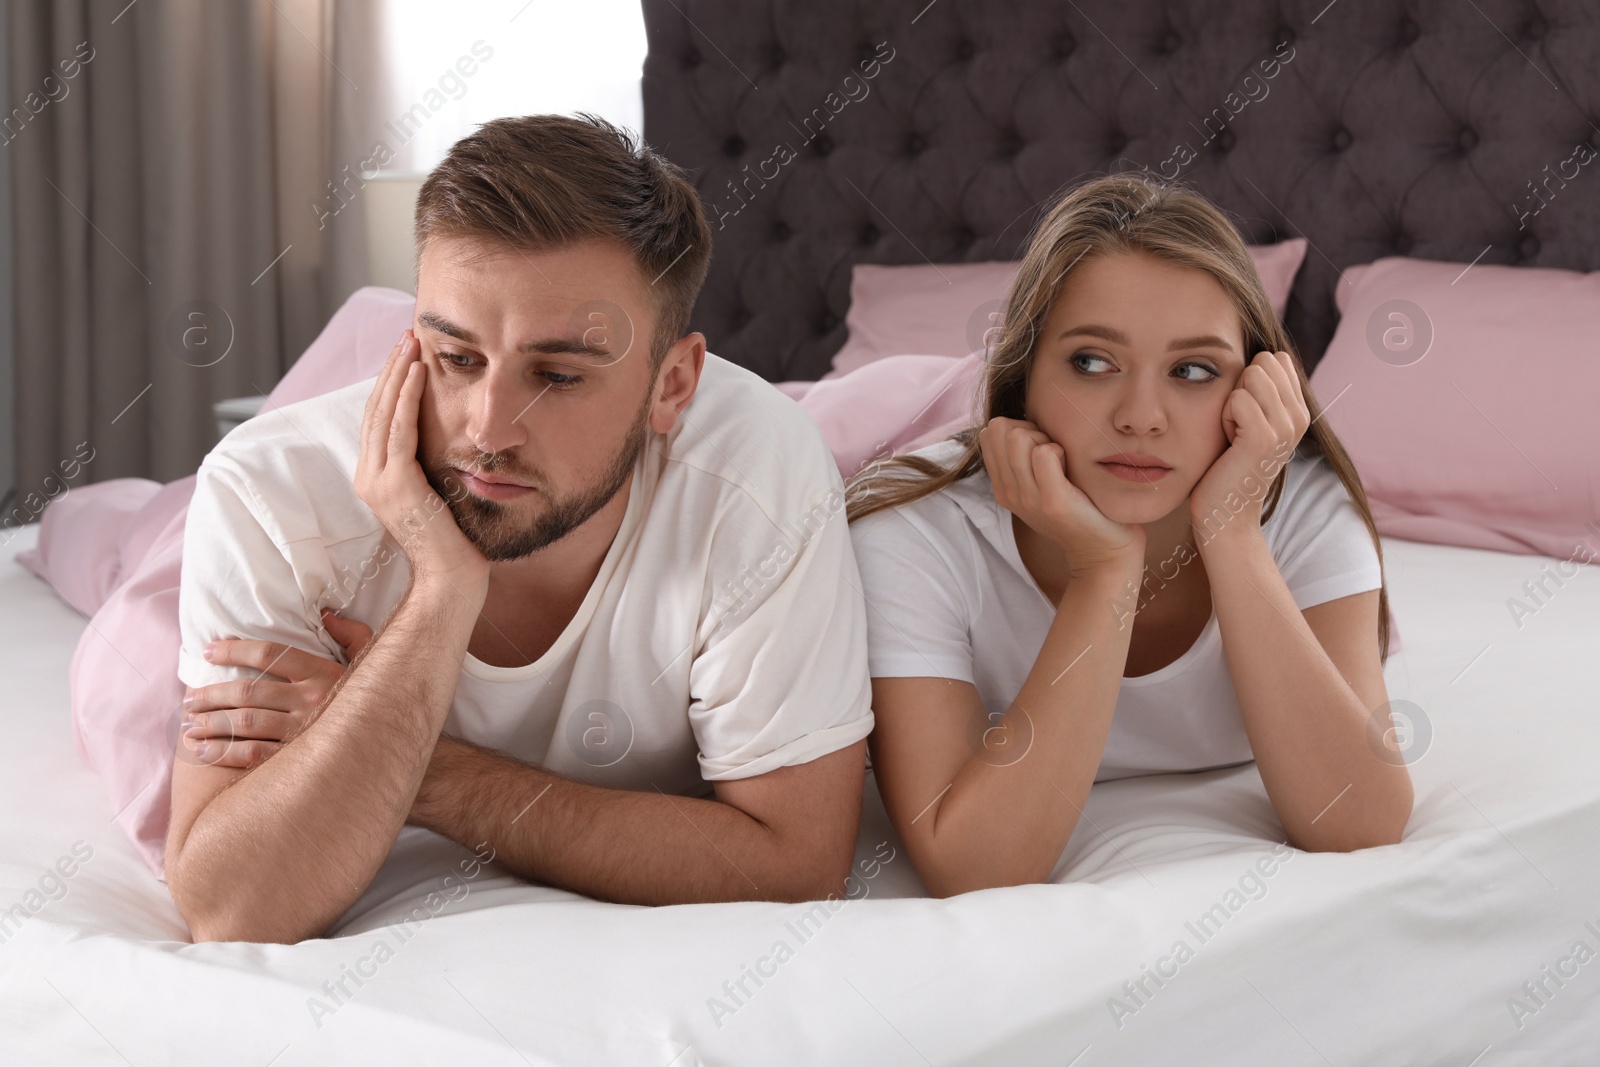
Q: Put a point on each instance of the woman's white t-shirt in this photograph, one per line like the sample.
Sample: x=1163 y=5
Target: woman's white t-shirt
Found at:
x=724 y=636
x=948 y=596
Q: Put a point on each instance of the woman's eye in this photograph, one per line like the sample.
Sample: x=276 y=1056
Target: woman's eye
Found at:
x=1211 y=375
x=1086 y=356
x=458 y=360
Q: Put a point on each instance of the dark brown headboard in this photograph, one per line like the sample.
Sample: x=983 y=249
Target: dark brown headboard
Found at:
x=1388 y=127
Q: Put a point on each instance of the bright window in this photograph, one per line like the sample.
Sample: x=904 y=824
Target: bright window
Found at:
x=542 y=56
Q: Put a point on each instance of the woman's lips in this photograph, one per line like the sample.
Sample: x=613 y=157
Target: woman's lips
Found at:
x=1129 y=473
x=491 y=490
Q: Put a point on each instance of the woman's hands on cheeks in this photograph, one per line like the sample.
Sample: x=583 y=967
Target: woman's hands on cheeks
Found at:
x=1264 y=419
x=243 y=722
x=1029 y=474
x=390 y=480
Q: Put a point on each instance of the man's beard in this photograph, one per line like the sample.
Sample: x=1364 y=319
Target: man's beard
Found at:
x=491 y=525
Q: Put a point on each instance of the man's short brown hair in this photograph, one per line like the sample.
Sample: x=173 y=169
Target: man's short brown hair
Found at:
x=542 y=182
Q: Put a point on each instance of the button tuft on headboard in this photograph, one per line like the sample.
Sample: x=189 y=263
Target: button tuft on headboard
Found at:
x=930 y=144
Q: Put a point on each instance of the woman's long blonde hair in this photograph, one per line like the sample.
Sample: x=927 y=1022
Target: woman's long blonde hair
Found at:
x=1117 y=214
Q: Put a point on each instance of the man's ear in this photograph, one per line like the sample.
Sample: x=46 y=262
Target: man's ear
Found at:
x=676 y=381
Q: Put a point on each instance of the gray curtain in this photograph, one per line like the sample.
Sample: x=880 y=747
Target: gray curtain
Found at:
x=167 y=158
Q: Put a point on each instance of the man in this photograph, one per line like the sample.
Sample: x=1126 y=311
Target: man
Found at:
x=606 y=568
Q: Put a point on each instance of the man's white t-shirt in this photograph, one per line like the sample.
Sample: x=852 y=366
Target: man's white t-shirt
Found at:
x=724 y=636
x=948 y=596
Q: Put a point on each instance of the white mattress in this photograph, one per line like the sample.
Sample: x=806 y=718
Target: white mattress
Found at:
x=1403 y=955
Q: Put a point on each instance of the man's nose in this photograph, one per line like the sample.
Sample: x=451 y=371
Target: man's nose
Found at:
x=498 y=415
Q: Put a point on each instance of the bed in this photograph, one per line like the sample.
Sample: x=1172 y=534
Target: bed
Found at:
x=1410 y=954
x=1474 y=942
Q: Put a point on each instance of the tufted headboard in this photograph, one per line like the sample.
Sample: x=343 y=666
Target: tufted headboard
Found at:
x=826 y=133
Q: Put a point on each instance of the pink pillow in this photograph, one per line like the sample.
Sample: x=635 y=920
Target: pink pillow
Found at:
x=119 y=561
x=944 y=309
x=350 y=348
x=1467 y=397
x=124 y=679
x=894 y=405
x=82 y=558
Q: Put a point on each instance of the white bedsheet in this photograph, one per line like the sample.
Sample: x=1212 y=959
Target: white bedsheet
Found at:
x=1403 y=955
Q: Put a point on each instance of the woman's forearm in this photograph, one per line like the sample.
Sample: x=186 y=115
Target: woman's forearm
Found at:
x=1307 y=726
x=1012 y=808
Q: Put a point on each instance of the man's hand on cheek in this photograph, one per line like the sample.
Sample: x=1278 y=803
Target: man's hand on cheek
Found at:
x=241 y=723
x=391 y=482
x=1264 y=419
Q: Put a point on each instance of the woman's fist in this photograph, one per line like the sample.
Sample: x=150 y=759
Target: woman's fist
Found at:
x=1029 y=474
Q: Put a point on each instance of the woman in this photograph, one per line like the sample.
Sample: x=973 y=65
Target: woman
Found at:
x=1141 y=561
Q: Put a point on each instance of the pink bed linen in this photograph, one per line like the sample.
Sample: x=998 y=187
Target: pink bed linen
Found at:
x=1466 y=396
x=113 y=551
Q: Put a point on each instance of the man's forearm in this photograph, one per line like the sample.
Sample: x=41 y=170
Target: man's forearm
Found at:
x=624 y=846
x=285 y=850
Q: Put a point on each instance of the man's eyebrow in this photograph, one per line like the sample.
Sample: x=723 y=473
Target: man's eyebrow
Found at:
x=435 y=321
x=1117 y=337
x=549 y=346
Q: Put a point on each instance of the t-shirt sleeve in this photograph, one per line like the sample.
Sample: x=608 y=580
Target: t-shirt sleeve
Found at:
x=781 y=676
x=1323 y=548
x=237 y=581
x=917 y=626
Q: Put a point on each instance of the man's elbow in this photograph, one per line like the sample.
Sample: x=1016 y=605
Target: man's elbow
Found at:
x=818 y=870
x=209 y=920
x=825 y=879
x=224 y=926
